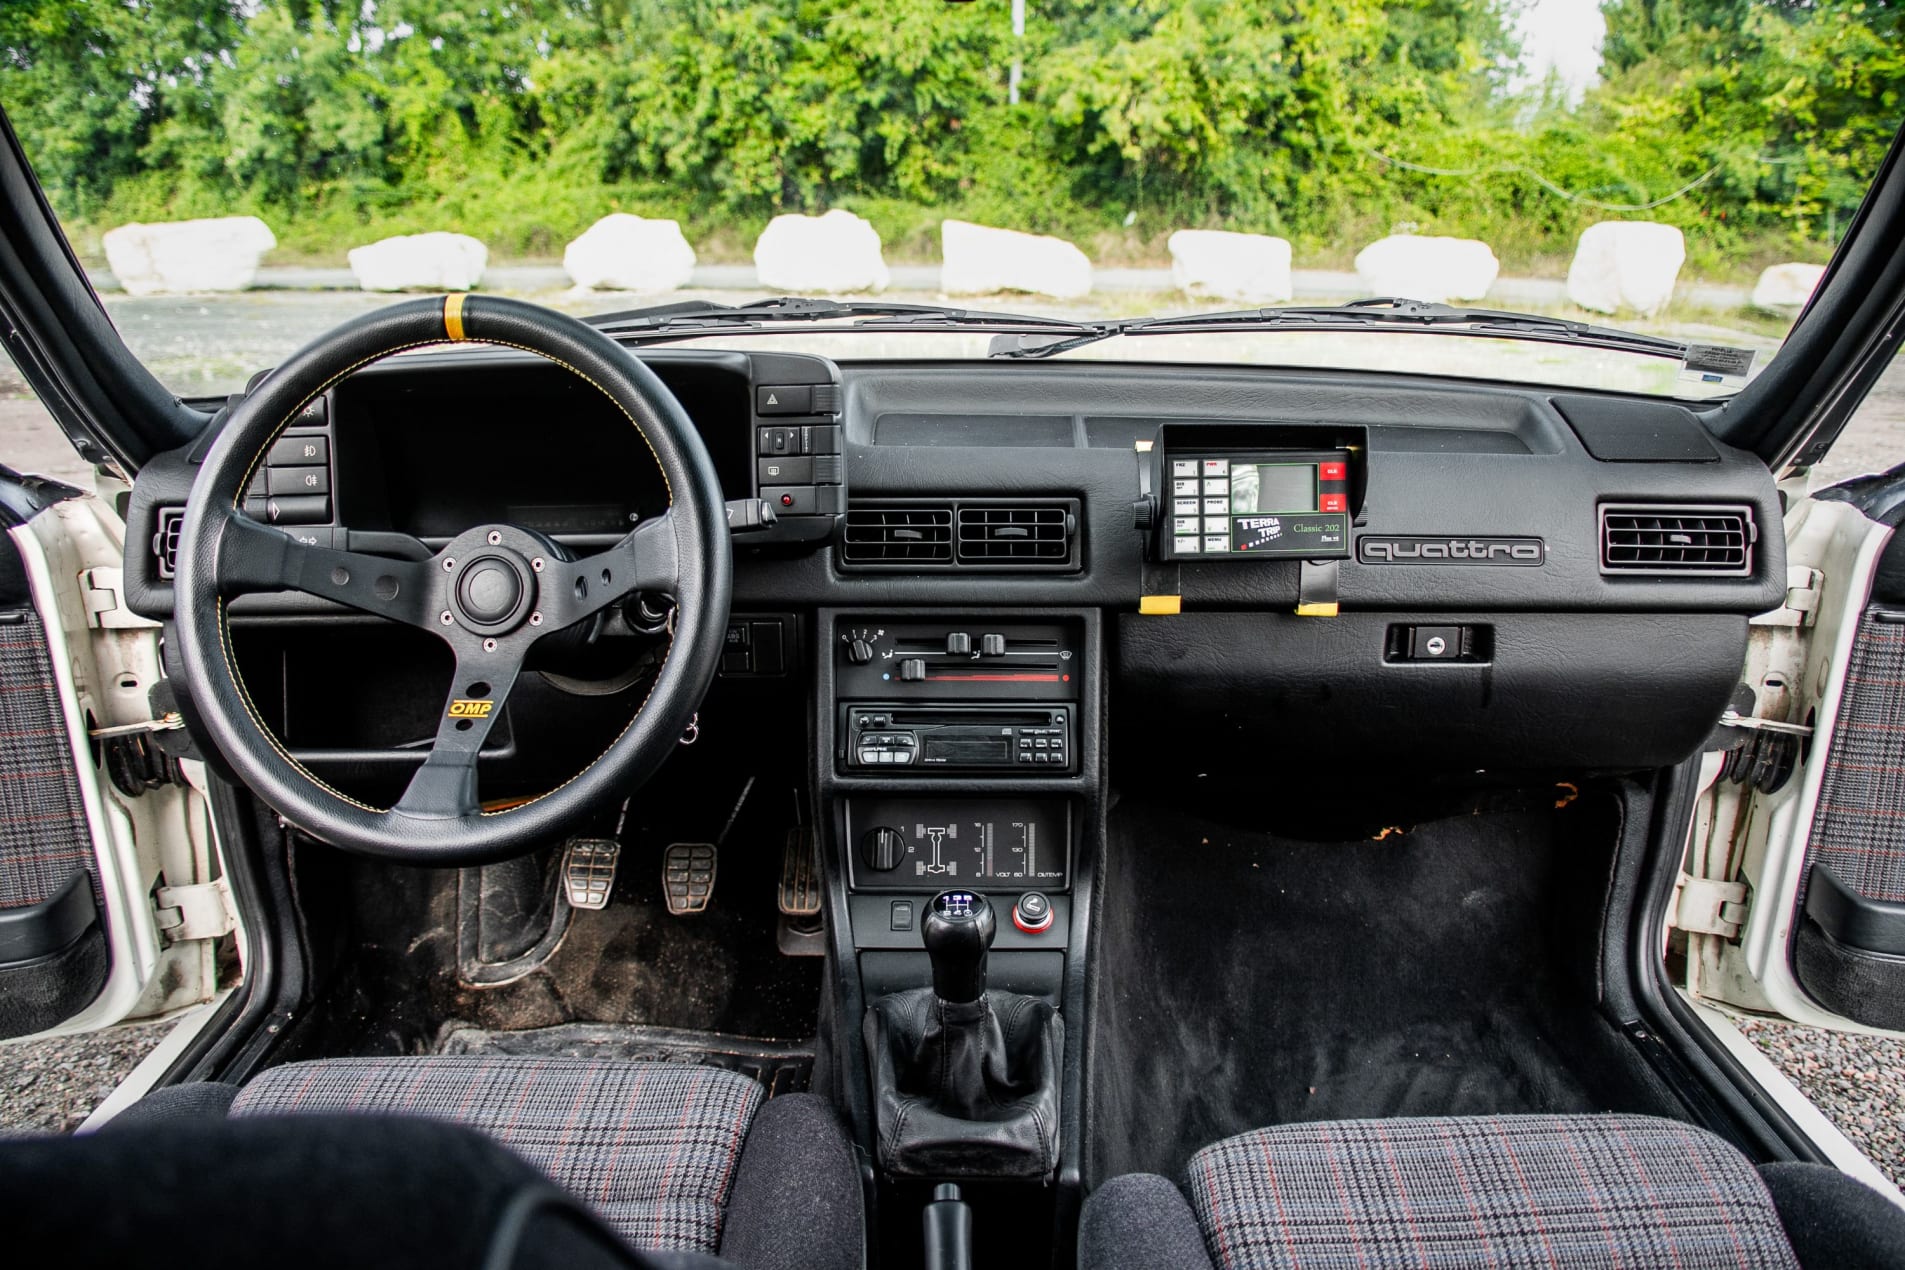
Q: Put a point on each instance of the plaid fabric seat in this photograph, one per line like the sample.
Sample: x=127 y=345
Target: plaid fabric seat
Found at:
x=1500 y=1191
x=652 y=1147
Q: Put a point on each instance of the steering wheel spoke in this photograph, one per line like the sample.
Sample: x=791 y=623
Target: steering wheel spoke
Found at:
x=254 y=557
x=647 y=559
x=445 y=786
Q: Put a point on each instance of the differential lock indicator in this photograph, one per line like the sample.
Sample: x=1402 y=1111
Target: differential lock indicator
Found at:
x=979 y=850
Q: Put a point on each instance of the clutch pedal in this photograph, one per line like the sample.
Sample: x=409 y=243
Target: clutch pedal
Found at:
x=800 y=874
x=588 y=871
x=687 y=874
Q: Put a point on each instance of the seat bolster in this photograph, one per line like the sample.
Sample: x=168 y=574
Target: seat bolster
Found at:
x=795 y=1203
x=1138 y=1221
x=175 y=1104
x=1834 y=1220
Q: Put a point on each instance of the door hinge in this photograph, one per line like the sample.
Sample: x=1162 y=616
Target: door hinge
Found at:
x=200 y=911
x=103 y=591
x=1706 y=907
x=1801 y=607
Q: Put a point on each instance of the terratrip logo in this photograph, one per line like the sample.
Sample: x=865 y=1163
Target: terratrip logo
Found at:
x=1450 y=550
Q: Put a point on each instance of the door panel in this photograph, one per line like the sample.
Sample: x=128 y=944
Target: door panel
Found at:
x=1836 y=827
x=54 y=958
x=110 y=890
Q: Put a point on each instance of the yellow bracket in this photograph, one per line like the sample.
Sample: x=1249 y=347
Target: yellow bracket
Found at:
x=1160 y=605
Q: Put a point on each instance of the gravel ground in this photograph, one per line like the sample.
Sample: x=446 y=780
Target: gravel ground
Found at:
x=1858 y=1081
x=54 y=1085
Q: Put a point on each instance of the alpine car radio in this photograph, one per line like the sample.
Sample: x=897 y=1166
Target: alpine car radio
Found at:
x=973 y=737
x=1231 y=494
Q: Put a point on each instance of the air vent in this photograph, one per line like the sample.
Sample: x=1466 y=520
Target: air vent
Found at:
x=1021 y=533
x=907 y=534
x=165 y=543
x=1657 y=539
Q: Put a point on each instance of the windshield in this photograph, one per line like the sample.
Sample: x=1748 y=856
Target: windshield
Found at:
x=240 y=175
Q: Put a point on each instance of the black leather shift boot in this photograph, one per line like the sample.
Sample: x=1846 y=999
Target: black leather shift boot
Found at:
x=965 y=1091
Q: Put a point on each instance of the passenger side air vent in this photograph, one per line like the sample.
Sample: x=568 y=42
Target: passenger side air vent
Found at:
x=1015 y=533
x=1660 y=539
x=898 y=533
x=165 y=543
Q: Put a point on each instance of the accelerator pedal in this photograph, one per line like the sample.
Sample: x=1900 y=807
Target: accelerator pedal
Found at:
x=687 y=875
x=588 y=871
x=800 y=874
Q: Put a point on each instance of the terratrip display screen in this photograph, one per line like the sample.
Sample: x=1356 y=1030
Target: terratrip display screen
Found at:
x=1279 y=503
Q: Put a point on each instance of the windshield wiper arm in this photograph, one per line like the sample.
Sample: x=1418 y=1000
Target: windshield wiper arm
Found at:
x=688 y=319
x=1406 y=315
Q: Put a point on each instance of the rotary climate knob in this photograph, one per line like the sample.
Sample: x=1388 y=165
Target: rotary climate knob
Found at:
x=882 y=849
x=859 y=652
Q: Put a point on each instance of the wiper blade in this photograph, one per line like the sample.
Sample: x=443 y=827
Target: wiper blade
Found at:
x=1404 y=315
x=688 y=319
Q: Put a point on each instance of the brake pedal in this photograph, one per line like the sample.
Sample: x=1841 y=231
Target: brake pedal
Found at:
x=800 y=874
x=588 y=871
x=687 y=874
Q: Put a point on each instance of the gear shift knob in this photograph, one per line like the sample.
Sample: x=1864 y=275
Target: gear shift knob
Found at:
x=958 y=930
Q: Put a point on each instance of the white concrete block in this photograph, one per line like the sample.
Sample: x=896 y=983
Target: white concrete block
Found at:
x=1626 y=265
x=220 y=254
x=978 y=260
x=826 y=254
x=1436 y=270
x=622 y=252
x=1784 y=288
x=436 y=261
x=1248 y=268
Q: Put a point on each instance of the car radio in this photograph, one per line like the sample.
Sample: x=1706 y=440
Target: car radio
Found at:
x=1253 y=503
x=959 y=738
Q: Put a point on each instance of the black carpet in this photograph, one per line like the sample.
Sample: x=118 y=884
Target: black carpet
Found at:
x=1244 y=979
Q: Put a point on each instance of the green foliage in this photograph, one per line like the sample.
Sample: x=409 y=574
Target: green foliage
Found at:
x=524 y=120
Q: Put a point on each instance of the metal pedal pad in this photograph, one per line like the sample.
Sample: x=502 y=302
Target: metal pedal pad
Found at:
x=687 y=875
x=588 y=871
x=800 y=874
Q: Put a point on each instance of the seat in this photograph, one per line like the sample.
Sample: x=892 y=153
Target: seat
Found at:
x=673 y=1157
x=1500 y=1191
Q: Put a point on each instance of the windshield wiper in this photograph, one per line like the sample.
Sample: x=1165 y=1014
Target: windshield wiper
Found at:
x=1392 y=313
x=692 y=319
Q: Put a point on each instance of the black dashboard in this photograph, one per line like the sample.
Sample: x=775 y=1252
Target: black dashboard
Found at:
x=1291 y=567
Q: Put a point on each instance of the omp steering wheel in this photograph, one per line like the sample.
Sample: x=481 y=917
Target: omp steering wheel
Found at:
x=490 y=594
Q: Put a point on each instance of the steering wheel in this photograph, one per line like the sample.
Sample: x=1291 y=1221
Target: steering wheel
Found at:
x=490 y=594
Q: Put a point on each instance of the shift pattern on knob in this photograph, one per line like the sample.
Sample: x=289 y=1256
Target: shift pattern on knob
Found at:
x=957 y=930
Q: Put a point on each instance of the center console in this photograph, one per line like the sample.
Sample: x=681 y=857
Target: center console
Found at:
x=960 y=774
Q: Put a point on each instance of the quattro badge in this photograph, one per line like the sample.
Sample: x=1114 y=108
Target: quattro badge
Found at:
x=1442 y=549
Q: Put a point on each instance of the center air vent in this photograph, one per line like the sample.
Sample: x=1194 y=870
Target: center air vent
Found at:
x=1015 y=533
x=165 y=543
x=910 y=534
x=975 y=533
x=1688 y=539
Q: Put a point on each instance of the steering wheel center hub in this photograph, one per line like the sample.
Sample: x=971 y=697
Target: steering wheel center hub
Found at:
x=492 y=592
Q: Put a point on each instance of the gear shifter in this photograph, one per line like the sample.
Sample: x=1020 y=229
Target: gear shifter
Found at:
x=958 y=930
x=966 y=1079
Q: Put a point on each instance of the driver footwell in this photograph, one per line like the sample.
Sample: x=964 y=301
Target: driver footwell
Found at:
x=406 y=967
x=1244 y=979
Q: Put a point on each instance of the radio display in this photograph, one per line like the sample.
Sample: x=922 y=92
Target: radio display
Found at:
x=1280 y=503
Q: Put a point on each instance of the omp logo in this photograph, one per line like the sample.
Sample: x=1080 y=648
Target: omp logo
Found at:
x=1440 y=550
x=463 y=708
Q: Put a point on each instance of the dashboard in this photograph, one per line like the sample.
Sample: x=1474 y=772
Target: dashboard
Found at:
x=1291 y=568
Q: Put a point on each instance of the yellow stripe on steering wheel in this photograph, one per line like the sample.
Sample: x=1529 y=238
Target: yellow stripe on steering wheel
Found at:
x=453 y=315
